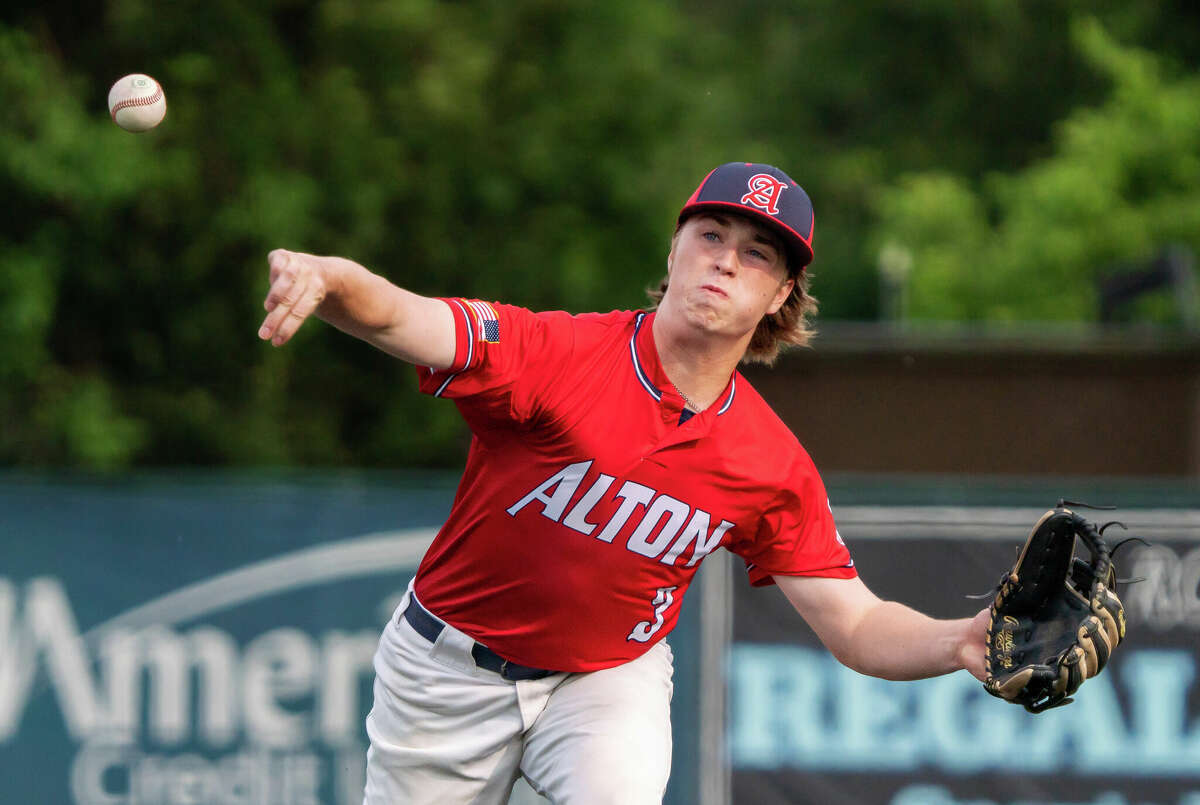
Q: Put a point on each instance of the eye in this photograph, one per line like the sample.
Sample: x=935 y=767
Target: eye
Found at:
x=711 y=237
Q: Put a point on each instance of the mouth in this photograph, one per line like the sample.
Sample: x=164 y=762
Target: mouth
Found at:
x=714 y=289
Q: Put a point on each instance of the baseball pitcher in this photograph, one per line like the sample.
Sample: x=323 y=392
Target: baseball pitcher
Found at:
x=611 y=453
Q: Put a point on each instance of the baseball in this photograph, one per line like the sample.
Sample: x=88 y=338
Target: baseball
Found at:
x=136 y=102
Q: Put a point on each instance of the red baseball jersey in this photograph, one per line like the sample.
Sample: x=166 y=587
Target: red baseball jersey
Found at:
x=586 y=506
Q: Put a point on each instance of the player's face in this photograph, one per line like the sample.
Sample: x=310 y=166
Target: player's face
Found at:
x=727 y=272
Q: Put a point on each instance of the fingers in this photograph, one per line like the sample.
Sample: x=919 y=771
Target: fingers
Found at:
x=297 y=289
x=287 y=281
x=285 y=293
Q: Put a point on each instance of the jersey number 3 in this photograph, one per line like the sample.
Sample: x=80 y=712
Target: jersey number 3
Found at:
x=662 y=601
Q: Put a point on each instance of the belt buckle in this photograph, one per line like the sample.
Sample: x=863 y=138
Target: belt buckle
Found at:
x=504 y=670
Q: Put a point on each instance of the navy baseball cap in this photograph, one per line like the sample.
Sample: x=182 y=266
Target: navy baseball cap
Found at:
x=765 y=193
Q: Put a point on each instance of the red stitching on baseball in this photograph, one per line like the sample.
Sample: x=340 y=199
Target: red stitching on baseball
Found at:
x=146 y=101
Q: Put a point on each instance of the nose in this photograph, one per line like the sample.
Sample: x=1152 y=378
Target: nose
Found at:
x=726 y=260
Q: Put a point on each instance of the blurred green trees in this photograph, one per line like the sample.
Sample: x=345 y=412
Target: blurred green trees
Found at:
x=536 y=152
x=1122 y=182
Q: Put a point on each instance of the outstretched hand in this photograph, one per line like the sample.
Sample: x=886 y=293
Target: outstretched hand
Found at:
x=973 y=648
x=299 y=283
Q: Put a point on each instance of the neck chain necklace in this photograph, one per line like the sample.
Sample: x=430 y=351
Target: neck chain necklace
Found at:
x=690 y=404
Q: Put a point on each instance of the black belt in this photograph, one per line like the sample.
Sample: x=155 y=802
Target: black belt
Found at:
x=429 y=627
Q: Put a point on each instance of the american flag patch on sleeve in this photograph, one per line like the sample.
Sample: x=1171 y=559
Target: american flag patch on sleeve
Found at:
x=487 y=322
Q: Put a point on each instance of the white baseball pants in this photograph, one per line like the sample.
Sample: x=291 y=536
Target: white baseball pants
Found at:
x=445 y=732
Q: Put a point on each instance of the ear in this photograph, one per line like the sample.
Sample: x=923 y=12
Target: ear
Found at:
x=781 y=295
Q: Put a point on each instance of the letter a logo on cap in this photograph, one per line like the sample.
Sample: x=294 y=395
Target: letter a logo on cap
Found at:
x=764 y=193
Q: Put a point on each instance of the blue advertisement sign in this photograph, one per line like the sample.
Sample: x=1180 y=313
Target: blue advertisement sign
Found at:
x=803 y=728
x=209 y=639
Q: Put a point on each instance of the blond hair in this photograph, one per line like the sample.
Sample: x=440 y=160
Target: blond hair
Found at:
x=790 y=326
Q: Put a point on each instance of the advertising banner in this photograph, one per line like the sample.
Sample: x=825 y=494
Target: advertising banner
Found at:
x=804 y=729
x=208 y=640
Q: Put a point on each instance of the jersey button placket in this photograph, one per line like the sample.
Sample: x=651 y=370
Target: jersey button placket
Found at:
x=673 y=433
x=670 y=409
